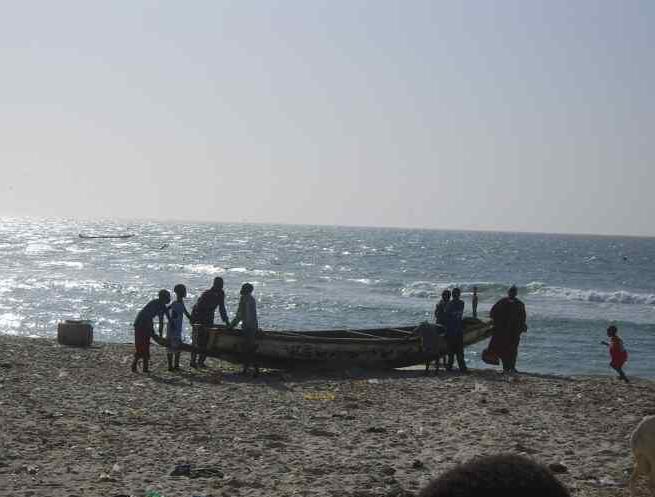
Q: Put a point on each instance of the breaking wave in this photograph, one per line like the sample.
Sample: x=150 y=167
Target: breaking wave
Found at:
x=428 y=289
x=576 y=294
x=431 y=290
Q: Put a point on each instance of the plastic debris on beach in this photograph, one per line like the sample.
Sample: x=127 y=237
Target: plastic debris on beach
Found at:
x=480 y=388
x=319 y=396
x=607 y=482
x=187 y=470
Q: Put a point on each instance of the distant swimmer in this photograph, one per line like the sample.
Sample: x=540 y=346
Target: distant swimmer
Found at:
x=165 y=245
x=625 y=258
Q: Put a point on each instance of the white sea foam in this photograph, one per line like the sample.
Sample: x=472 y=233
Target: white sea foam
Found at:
x=75 y=285
x=7 y=285
x=10 y=320
x=263 y=272
x=254 y=272
x=576 y=294
x=78 y=250
x=203 y=269
x=38 y=248
x=420 y=289
x=365 y=281
x=70 y=264
x=427 y=289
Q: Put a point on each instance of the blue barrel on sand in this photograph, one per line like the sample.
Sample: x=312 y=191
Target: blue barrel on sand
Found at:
x=75 y=333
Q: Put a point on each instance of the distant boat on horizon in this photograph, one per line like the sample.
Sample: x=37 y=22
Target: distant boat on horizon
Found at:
x=82 y=235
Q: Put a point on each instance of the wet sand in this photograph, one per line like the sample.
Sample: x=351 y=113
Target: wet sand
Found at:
x=78 y=422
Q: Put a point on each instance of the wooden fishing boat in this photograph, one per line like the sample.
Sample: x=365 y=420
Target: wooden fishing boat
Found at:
x=380 y=348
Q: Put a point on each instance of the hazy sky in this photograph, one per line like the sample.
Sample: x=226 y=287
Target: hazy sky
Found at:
x=508 y=114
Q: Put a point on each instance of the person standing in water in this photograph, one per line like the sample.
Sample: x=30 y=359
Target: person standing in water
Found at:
x=203 y=313
x=618 y=354
x=455 y=331
x=247 y=315
x=474 y=302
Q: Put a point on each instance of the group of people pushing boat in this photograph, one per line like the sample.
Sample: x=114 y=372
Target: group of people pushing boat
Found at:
x=202 y=313
x=508 y=316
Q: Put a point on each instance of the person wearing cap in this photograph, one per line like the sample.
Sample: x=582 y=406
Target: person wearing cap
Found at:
x=203 y=313
x=247 y=316
x=144 y=328
x=509 y=318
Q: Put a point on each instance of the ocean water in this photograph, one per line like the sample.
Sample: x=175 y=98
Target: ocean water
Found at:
x=321 y=277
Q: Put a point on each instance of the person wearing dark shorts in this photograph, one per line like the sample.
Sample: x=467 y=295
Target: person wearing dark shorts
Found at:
x=144 y=328
x=203 y=313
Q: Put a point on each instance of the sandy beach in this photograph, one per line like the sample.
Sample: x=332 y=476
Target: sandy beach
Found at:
x=78 y=422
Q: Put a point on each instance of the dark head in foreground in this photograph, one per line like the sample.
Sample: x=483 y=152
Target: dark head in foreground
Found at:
x=504 y=475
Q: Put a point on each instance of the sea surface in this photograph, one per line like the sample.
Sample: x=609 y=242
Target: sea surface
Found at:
x=322 y=277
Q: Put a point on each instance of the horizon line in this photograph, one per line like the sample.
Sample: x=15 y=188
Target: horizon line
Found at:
x=326 y=225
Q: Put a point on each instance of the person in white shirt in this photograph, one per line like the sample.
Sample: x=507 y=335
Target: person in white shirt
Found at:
x=177 y=311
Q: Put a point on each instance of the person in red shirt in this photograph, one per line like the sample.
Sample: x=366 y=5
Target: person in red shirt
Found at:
x=618 y=354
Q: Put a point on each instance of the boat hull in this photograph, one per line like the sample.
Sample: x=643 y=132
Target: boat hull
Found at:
x=381 y=348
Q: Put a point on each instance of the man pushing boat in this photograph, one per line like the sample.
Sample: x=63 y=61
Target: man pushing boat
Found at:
x=203 y=313
x=247 y=315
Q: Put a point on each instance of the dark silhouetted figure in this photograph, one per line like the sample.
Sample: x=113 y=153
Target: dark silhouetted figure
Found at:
x=455 y=331
x=144 y=328
x=509 y=318
x=440 y=308
x=474 y=302
x=177 y=311
x=203 y=313
x=503 y=475
x=247 y=316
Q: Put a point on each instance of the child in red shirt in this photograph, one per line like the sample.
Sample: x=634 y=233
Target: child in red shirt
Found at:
x=618 y=354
